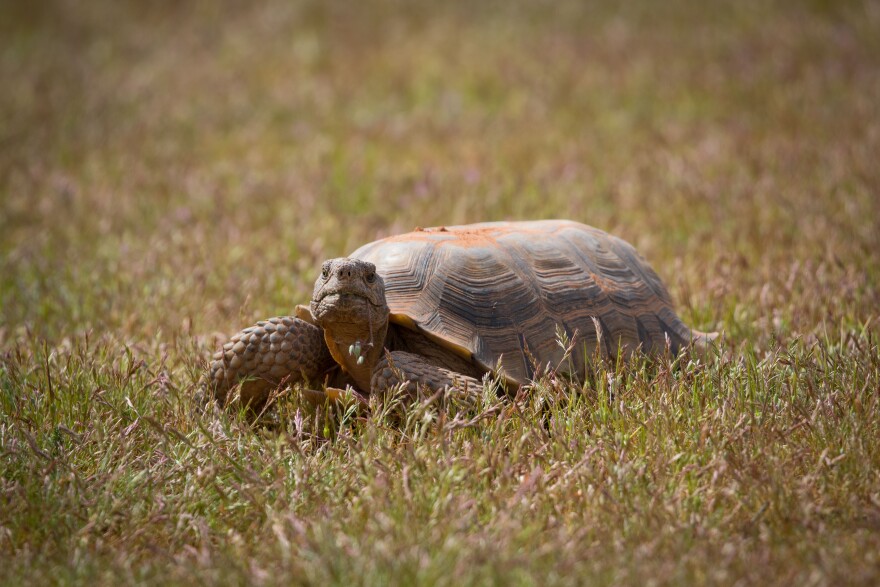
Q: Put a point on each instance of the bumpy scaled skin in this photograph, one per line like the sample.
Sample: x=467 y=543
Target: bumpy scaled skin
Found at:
x=417 y=372
x=264 y=355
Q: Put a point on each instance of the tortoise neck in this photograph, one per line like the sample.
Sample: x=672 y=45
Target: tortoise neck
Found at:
x=357 y=349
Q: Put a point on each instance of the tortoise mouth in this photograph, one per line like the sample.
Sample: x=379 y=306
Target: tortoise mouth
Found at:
x=338 y=297
x=344 y=307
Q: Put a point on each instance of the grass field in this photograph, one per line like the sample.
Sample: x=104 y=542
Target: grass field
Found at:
x=173 y=171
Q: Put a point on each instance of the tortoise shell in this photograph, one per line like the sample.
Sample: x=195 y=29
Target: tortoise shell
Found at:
x=500 y=293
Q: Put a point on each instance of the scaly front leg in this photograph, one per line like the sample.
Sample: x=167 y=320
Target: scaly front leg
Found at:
x=265 y=354
x=399 y=366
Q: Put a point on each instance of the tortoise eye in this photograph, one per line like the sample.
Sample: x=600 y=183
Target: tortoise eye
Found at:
x=371 y=276
x=325 y=271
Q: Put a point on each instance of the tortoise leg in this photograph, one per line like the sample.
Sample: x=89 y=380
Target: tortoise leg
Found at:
x=400 y=366
x=265 y=354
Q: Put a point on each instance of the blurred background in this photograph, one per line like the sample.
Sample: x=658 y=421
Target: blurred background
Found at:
x=184 y=167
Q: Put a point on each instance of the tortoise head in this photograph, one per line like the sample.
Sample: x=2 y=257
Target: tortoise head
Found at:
x=349 y=304
x=349 y=290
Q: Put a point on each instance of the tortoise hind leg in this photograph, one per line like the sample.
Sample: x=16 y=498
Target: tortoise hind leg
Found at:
x=263 y=355
x=399 y=366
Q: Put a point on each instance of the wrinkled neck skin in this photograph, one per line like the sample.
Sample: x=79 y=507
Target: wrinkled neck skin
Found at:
x=339 y=336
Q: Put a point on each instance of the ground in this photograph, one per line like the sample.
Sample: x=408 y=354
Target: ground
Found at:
x=171 y=172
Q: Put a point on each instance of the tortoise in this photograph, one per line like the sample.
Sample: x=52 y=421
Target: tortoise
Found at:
x=439 y=308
